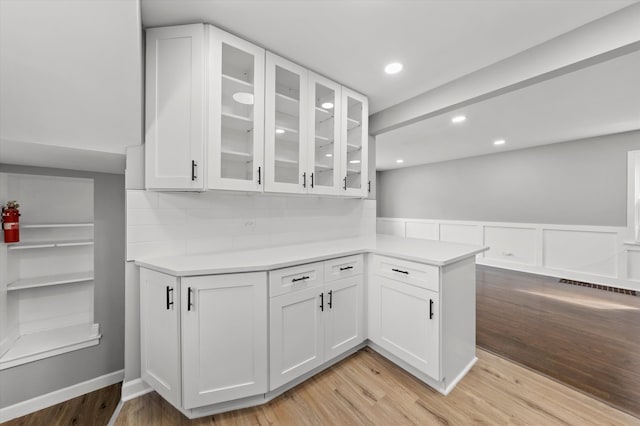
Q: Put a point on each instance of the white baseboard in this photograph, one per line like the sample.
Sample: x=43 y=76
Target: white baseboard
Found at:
x=134 y=388
x=43 y=401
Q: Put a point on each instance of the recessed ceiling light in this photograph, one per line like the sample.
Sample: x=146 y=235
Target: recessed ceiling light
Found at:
x=328 y=155
x=279 y=131
x=458 y=119
x=399 y=161
x=327 y=105
x=393 y=68
x=499 y=142
x=243 y=98
x=354 y=162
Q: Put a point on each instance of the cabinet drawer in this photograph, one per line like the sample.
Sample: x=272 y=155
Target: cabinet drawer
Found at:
x=418 y=274
x=295 y=278
x=342 y=267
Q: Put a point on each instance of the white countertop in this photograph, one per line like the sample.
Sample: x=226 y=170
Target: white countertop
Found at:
x=435 y=253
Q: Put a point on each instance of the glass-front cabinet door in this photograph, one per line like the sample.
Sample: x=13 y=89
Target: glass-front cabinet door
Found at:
x=354 y=149
x=324 y=136
x=285 y=126
x=236 y=108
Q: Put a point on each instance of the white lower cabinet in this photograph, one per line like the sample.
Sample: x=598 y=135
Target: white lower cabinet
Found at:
x=313 y=325
x=219 y=351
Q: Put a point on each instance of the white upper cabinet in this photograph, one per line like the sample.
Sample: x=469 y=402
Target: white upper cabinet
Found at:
x=324 y=135
x=355 y=142
x=175 y=105
x=222 y=113
x=286 y=126
x=236 y=113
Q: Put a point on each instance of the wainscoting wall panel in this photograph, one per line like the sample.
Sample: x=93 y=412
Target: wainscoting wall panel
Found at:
x=597 y=254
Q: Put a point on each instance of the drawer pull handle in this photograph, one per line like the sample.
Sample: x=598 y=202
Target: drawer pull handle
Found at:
x=169 y=299
x=430 y=308
x=402 y=272
x=330 y=298
x=344 y=268
x=304 y=277
x=189 y=302
x=322 y=302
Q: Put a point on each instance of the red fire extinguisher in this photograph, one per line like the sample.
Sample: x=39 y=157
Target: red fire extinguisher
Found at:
x=11 y=222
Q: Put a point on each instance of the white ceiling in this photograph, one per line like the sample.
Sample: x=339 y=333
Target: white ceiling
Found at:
x=597 y=100
x=70 y=73
x=350 y=41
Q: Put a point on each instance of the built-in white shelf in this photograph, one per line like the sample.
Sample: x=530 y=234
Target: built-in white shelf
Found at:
x=237 y=83
x=237 y=122
x=352 y=147
x=352 y=124
x=237 y=155
x=43 y=344
x=286 y=162
x=56 y=225
x=49 y=280
x=49 y=244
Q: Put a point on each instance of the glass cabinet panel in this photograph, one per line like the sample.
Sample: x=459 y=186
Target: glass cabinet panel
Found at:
x=236 y=131
x=324 y=136
x=355 y=140
x=285 y=149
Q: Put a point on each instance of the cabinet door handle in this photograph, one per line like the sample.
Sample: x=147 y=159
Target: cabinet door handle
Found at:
x=322 y=302
x=259 y=175
x=344 y=268
x=194 y=165
x=311 y=180
x=302 y=278
x=304 y=180
x=189 y=303
x=369 y=187
x=345 y=183
x=330 y=298
x=402 y=272
x=169 y=299
x=430 y=308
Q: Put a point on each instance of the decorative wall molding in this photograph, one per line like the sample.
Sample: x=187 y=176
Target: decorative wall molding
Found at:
x=134 y=388
x=595 y=254
x=43 y=401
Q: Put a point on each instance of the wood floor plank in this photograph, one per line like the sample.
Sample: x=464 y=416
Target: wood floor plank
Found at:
x=367 y=389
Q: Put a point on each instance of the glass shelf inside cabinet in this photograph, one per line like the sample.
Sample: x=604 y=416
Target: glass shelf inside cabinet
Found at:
x=324 y=127
x=237 y=120
x=354 y=143
x=287 y=126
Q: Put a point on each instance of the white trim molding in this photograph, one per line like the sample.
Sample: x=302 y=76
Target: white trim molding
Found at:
x=43 y=401
x=134 y=388
x=596 y=254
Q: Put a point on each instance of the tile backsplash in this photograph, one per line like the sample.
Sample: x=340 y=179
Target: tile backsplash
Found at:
x=168 y=223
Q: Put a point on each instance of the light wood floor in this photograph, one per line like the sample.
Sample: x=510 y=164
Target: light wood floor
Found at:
x=366 y=389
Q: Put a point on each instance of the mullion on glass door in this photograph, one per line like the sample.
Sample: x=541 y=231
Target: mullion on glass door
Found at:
x=237 y=112
x=285 y=126
x=324 y=135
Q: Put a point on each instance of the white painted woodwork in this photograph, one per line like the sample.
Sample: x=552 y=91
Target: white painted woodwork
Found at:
x=511 y=244
x=597 y=254
x=224 y=337
x=286 y=111
x=344 y=316
x=236 y=130
x=461 y=233
x=175 y=107
x=324 y=135
x=401 y=322
x=296 y=335
x=580 y=251
x=354 y=152
x=417 y=274
x=343 y=267
x=427 y=231
x=295 y=278
x=46 y=280
x=160 y=334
